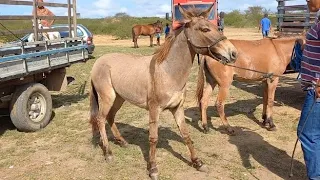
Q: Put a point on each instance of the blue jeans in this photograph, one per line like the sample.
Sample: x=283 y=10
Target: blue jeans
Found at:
x=309 y=132
x=265 y=33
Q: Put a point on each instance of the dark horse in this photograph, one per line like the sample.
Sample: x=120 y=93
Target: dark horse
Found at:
x=145 y=30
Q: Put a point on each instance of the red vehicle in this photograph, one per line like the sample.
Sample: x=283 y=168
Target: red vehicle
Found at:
x=201 y=4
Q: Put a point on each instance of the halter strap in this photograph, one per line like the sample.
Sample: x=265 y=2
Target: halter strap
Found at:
x=208 y=47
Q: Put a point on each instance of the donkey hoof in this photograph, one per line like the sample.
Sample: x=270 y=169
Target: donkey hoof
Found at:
x=199 y=165
x=154 y=176
x=109 y=158
x=204 y=169
x=153 y=173
x=206 y=129
x=124 y=144
x=231 y=132
x=272 y=128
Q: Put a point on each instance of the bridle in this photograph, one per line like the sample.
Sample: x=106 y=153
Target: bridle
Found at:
x=208 y=47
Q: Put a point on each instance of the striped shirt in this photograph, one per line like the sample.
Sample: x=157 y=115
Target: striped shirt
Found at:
x=310 y=63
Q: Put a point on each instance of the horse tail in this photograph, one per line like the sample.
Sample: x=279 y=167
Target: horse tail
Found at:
x=201 y=78
x=94 y=107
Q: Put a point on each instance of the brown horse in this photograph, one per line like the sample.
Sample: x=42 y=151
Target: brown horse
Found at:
x=155 y=83
x=314 y=5
x=266 y=55
x=145 y=30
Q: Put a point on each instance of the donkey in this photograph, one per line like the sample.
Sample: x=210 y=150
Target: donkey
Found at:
x=266 y=55
x=145 y=30
x=155 y=83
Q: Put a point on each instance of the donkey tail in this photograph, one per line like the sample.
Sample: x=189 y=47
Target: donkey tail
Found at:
x=94 y=107
x=201 y=79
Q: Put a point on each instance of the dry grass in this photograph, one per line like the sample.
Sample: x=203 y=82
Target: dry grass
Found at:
x=63 y=150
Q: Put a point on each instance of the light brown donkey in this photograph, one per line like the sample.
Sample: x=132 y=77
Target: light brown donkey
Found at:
x=314 y=5
x=155 y=83
x=267 y=55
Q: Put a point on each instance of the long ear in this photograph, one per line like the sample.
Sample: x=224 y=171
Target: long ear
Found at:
x=207 y=12
x=186 y=15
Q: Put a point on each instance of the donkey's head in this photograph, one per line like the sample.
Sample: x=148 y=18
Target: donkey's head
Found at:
x=204 y=37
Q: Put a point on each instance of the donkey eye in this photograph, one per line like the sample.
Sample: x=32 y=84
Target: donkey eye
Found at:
x=205 y=29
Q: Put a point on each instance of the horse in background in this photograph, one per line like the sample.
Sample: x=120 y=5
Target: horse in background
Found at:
x=44 y=36
x=145 y=30
x=269 y=56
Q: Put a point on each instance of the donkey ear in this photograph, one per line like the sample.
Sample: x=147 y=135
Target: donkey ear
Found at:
x=186 y=15
x=206 y=13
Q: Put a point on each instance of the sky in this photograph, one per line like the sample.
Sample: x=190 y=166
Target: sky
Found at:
x=103 y=8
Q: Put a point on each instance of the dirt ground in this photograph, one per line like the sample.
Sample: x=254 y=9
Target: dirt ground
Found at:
x=232 y=33
x=65 y=150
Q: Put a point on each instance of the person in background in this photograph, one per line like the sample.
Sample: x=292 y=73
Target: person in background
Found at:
x=265 y=25
x=167 y=30
x=308 y=130
x=158 y=35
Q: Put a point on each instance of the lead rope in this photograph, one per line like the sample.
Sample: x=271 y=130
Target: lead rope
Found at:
x=299 y=135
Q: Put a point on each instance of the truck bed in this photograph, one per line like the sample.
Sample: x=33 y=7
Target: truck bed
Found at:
x=20 y=59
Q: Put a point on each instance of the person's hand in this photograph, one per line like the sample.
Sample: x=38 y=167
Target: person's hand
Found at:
x=318 y=89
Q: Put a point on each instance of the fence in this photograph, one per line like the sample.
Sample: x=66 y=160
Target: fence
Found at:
x=72 y=20
x=293 y=18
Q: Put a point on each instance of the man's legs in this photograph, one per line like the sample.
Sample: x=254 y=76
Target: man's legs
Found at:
x=309 y=134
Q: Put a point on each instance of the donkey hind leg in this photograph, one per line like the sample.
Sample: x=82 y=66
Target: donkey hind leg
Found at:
x=222 y=95
x=178 y=114
x=207 y=91
x=114 y=109
x=154 y=113
x=265 y=98
x=107 y=99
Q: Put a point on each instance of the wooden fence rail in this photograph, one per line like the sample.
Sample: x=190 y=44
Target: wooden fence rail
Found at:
x=72 y=20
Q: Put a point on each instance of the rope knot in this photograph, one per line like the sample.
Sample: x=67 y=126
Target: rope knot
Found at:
x=268 y=76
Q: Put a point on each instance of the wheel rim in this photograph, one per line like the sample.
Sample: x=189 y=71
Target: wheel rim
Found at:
x=37 y=107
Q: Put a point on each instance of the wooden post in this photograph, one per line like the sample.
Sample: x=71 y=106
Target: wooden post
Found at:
x=74 y=7
x=281 y=13
x=69 y=18
x=35 y=20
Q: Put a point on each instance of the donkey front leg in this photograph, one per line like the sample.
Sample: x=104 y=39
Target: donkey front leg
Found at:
x=154 y=113
x=178 y=114
x=272 y=85
x=151 y=40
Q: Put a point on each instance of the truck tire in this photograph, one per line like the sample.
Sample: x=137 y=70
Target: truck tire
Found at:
x=31 y=107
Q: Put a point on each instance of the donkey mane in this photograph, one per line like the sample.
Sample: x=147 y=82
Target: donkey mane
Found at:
x=162 y=52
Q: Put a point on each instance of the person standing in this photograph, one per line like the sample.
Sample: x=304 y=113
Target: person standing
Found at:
x=167 y=30
x=308 y=129
x=265 y=26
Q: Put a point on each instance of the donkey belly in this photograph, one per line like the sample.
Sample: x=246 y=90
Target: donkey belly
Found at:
x=130 y=79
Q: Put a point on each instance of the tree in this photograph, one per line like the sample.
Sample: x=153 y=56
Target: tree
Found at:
x=121 y=15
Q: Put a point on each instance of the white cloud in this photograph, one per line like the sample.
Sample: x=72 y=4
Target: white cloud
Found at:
x=165 y=8
x=123 y=9
x=102 y=4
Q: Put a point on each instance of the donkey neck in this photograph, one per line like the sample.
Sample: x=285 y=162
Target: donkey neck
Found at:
x=179 y=61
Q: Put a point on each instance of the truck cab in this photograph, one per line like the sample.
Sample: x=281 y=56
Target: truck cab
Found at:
x=200 y=4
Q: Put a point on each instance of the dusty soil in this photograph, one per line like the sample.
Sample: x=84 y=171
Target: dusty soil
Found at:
x=65 y=150
x=232 y=33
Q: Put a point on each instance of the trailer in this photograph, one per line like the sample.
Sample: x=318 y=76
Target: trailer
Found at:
x=293 y=19
x=29 y=70
x=202 y=4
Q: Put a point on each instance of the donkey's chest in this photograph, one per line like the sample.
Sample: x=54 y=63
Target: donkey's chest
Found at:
x=174 y=99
